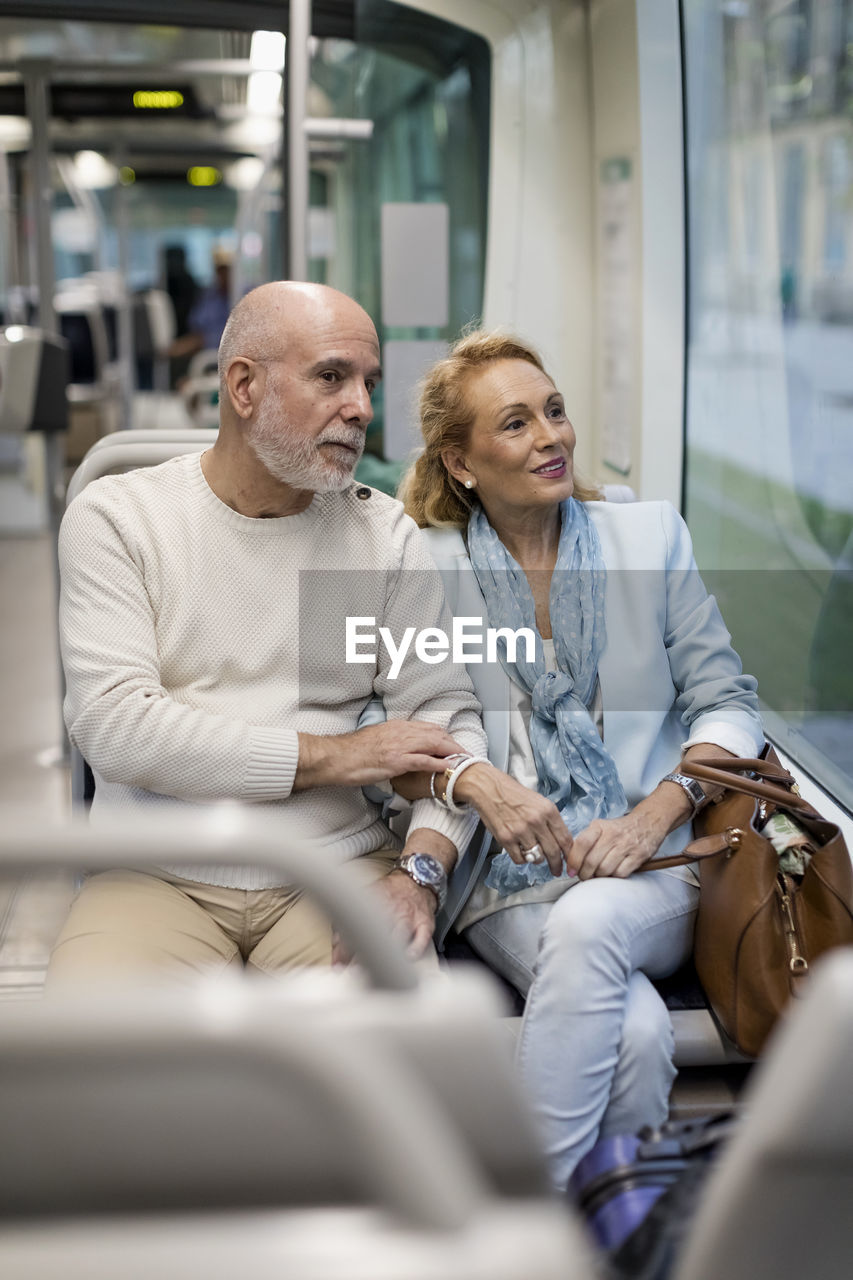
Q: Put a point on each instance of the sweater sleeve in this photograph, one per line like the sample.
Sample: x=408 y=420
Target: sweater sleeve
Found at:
x=119 y=715
x=439 y=692
x=716 y=699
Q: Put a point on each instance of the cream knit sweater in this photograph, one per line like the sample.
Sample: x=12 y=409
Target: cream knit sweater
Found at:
x=198 y=642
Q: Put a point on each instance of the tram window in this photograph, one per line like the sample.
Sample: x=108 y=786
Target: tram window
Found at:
x=424 y=86
x=769 y=457
x=416 y=86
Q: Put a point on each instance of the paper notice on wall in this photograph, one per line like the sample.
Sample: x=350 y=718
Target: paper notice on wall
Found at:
x=617 y=285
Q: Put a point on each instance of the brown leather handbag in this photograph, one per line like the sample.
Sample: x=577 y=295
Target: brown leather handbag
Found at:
x=759 y=928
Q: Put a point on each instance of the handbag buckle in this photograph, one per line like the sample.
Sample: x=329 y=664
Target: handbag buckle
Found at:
x=734 y=836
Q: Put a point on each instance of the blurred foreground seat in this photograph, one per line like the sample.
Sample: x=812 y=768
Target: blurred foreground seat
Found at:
x=778 y=1203
x=365 y=1124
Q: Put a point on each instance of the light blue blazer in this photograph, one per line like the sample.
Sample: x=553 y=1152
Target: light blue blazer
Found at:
x=668 y=673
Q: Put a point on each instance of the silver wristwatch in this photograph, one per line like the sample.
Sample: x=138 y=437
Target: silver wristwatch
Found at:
x=425 y=870
x=692 y=787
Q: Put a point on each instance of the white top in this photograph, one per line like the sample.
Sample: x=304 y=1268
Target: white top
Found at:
x=198 y=642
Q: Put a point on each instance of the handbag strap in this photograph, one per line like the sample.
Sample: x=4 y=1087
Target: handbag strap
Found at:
x=728 y=772
x=704 y=847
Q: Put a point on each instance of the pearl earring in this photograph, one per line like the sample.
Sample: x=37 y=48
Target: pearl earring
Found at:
x=469 y=484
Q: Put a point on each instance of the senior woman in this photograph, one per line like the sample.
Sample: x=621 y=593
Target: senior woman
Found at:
x=633 y=672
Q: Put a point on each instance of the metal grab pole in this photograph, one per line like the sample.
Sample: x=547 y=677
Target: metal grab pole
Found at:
x=298 y=58
x=36 y=76
x=36 y=79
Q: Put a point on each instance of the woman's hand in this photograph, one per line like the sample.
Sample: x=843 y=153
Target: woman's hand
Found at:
x=617 y=846
x=517 y=817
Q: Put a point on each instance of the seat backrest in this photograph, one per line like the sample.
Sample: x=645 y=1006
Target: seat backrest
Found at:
x=778 y=1201
x=200 y=388
x=316 y=1091
x=203 y=363
x=126 y=450
x=618 y=493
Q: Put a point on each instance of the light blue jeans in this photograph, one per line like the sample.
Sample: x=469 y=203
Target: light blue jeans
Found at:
x=596 y=1042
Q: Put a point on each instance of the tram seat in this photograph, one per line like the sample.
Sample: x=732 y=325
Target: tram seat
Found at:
x=154 y=323
x=778 y=1201
x=323 y=1125
x=82 y=324
x=699 y=1043
x=618 y=493
x=94 y=389
x=126 y=450
x=200 y=389
x=153 y=331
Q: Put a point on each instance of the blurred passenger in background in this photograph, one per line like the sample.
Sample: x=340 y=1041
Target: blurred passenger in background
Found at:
x=183 y=291
x=209 y=314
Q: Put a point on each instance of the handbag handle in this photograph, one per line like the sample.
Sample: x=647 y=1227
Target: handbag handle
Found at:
x=725 y=771
x=728 y=771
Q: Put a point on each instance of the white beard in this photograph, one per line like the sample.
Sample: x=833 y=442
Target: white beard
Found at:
x=297 y=461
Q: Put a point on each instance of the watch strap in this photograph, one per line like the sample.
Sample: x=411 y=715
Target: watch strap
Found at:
x=693 y=789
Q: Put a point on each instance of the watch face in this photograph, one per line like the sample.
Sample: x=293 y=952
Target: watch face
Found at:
x=427 y=869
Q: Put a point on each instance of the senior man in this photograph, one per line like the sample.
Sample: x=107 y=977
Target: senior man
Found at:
x=202 y=628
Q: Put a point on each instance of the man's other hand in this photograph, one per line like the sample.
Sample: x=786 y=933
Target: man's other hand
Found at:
x=411 y=908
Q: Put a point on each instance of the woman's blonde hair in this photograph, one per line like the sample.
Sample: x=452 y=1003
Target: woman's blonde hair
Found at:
x=428 y=491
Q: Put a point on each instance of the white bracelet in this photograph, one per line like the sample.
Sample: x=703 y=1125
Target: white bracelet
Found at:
x=451 y=781
x=456 y=755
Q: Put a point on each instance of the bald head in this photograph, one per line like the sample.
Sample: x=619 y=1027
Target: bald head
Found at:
x=265 y=322
x=299 y=364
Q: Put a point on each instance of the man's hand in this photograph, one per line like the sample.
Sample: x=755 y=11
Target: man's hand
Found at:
x=412 y=910
x=517 y=817
x=412 y=907
x=372 y=754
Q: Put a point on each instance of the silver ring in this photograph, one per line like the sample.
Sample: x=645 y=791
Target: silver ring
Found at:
x=533 y=854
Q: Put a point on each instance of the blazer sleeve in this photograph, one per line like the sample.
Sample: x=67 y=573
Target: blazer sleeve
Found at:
x=715 y=698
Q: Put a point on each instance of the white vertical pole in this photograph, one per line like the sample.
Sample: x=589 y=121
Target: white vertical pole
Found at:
x=298 y=64
x=124 y=318
x=36 y=83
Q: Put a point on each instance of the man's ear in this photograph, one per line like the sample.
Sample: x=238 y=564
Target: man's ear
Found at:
x=243 y=383
x=454 y=461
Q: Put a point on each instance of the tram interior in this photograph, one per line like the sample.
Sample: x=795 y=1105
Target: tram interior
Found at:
x=661 y=197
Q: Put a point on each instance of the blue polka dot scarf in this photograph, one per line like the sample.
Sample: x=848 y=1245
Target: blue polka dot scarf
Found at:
x=575 y=770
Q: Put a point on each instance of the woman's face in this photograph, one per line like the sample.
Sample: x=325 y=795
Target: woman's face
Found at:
x=519 y=451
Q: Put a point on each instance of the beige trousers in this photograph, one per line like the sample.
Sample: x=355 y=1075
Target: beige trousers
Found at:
x=130 y=925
